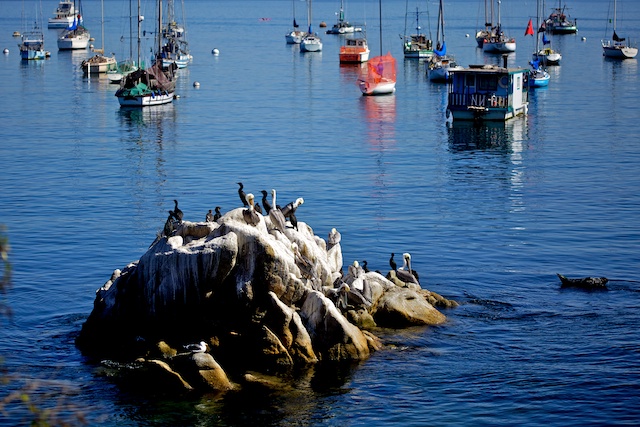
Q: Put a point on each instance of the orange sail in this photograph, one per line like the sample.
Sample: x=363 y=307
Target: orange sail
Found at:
x=379 y=76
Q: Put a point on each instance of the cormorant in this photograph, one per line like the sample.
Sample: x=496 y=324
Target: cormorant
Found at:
x=243 y=196
x=218 y=214
x=209 y=217
x=265 y=202
x=392 y=262
x=177 y=213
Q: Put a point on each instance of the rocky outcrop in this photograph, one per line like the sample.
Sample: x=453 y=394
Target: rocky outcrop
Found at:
x=259 y=297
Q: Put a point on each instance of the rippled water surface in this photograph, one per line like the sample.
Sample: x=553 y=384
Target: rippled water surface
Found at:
x=490 y=214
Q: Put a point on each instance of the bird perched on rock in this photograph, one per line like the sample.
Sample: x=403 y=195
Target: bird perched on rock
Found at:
x=392 y=262
x=275 y=214
x=168 y=225
x=177 y=213
x=209 y=216
x=250 y=215
x=243 y=196
x=290 y=208
x=217 y=214
x=265 y=202
x=405 y=273
x=334 y=237
x=584 y=282
x=364 y=266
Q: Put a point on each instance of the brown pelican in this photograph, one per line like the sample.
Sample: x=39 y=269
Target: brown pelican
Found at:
x=243 y=196
x=250 y=215
x=218 y=214
x=334 y=237
x=265 y=202
x=177 y=213
x=277 y=218
x=209 y=217
x=405 y=273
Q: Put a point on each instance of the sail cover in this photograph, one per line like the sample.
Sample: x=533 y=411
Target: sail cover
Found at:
x=441 y=50
x=379 y=68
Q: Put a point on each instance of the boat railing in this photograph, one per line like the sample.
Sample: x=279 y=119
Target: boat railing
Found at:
x=483 y=100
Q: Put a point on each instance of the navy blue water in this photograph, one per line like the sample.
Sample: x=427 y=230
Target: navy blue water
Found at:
x=489 y=214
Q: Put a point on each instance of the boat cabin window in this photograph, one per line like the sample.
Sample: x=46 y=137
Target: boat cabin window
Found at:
x=470 y=80
x=488 y=82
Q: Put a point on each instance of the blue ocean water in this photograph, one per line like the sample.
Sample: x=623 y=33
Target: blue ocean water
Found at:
x=489 y=214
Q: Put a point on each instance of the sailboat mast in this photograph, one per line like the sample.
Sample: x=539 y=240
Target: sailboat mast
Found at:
x=615 y=15
x=102 y=23
x=380 y=14
x=138 y=18
x=159 y=27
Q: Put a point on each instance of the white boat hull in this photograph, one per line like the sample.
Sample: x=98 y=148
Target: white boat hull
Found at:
x=295 y=37
x=60 y=22
x=499 y=47
x=145 y=100
x=71 y=43
x=380 y=88
x=311 y=44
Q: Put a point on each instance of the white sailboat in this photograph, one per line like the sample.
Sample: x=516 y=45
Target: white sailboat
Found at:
x=618 y=47
x=379 y=76
x=538 y=76
x=75 y=36
x=150 y=86
x=296 y=35
x=175 y=49
x=497 y=41
x=310 y=42
x=98 y=63
x=129 y=65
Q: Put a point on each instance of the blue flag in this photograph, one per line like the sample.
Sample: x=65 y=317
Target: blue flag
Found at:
x=545 y=40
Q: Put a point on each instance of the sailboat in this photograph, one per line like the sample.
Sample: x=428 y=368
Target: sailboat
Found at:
x=559 y=23
x=127 y=66
x=497 y=41
x=310 y=42
x=617 y=48
x=488 y=25
x=342 y=26
x=538 y=76
x=175 y=49
x=75 y=36
x=98 y=63
x=296 y=35
x=416 y=45
x=32 y=42
x=441 y=65
x=379 y=76
x=150 y=86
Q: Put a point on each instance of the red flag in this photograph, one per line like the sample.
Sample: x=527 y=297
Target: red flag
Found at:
x=529 y=30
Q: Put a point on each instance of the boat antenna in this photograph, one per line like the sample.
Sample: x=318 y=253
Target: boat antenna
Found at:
x=380 y=14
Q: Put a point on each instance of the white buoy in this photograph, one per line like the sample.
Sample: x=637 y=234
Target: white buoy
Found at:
x=216 y=52
x=5 y=51
x=140 y=18
x=584 y=39
x=466 y=35
x=196 y=84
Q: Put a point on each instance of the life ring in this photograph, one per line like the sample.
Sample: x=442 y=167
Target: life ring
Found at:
x=504 y=82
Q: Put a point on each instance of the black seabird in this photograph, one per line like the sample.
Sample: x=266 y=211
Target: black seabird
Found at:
x=168 y=225
x=265 y=202
x=209 y=217
x=392 y=262
x=243 y=196
x=218 y=214
x=177 y=213
x=364 y=266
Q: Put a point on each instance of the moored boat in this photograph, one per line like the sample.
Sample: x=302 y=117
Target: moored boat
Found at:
x=441 y=64
x=488 y=93
x=354 y=50
x=99 y=63
x=618 y=47
x=498 y=41
x=32 y=45
x=175 y=48
x=416 y=45
x=75 y=36
x=559 y=23
x=64 y=15
x=379 y=76
x=343 y=26
x=310 y=42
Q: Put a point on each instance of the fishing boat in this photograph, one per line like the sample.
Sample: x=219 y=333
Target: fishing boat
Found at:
x=441 y=64
x=32 y=44
x=379 y=76
x=150 y=86
x=175 y=48
x=355 y=50
x=416 y=45
x=296 y=35
x=559 y=23
x=64 y=15
x=75 y=36
x=310 y=42
x=343 y=26
x=99 y=63
x=497 y=41
x=488 y=93
x=619 y=47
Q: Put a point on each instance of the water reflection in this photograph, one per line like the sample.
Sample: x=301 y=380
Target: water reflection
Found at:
x=499 y=136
